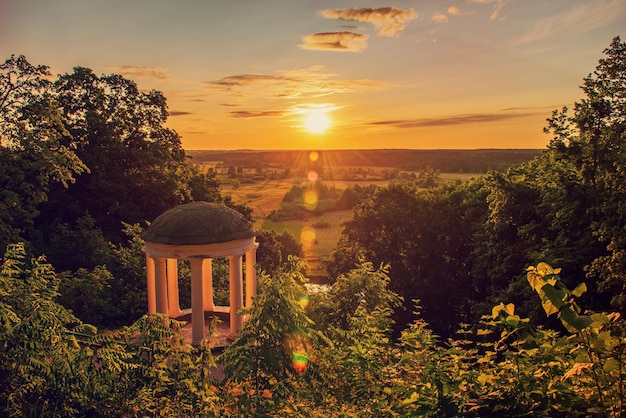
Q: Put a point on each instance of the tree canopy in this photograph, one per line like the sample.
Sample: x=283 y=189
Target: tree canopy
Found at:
x=460 y=246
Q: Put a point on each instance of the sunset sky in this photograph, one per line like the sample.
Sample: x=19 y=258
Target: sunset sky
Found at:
x=363 y=74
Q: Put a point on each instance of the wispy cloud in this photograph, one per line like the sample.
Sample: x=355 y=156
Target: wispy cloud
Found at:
x=498 y=5
x=179 y=113
x=245 y=79
x=582 y=18
x=306 y=83
x=256 y=114
x=131 y=71
x=439 y=18
x=388 y=21
x=335 y=41
x=464 y=119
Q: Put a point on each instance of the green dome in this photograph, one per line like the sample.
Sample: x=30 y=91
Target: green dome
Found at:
x=197 y=224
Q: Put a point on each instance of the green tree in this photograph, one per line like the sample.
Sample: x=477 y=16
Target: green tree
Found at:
x=41 y=367
x=426 y=237
x=32 y=153
x=275 y=249
x=275 y=344
x=119 y=133
x=593 y=140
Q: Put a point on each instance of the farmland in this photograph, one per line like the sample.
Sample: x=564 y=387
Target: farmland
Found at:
x=261 y=179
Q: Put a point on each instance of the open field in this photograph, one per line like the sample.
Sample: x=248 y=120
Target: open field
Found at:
x=262 y=197
x=317 y=243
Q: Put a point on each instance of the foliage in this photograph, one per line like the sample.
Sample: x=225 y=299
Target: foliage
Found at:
x=275 y=249
x=364 y=291
x=41 y=369
x=308 y=198
x=426 y=237
x=284 y=364
x=593 y=141
x=600 y=348
x=275 y=343
x=32 y=153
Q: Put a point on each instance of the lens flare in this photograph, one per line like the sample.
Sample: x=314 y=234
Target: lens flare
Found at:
x=314 y=155
x=312 y=176
x=304 y=301
x=299 y=361
x=310 y=199
x=307 y=237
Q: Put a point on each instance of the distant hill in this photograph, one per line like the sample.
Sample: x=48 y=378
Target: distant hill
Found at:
x=448 y=161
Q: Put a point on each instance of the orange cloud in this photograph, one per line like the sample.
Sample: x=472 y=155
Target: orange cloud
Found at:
x=335 y=41
x=388 y=21
x=464 y=119
x=299 y=84
x=439 y=18
x=244 y=80
x=141 y=72
x=254 y=114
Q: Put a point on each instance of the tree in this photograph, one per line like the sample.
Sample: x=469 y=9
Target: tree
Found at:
x=593 y=141
x=119 y=133
x=41 y=367
x=138 y=166
x=32 y=153
x=275 y=344
x=426 y=237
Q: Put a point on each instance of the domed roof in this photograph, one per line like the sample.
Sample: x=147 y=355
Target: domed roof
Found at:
x=197 y=224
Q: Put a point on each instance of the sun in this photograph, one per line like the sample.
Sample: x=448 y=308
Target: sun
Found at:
x=316 y=122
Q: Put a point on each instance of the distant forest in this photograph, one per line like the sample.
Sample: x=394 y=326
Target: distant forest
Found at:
x=448 y=161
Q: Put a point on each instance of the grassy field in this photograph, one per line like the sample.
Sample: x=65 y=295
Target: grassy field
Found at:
x=263 y=197
x=318 y=243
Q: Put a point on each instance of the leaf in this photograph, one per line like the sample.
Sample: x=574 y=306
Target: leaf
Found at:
x=535 y=280
x=557 y=297
x=580 y=289
x=549 y=307
x=512 y=320
x=495 y=311
x=485 y=378
x=577 y=370
x=610 y=365
x=544 y=269
x=510 y=308
x=572 y=321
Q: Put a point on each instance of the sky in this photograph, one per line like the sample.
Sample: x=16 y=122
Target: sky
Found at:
x=332 y=74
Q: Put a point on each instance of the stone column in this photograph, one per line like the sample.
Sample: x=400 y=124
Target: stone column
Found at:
x=197 y=304
x=151 y=283
x=207 y=274
x=161 y=285
x=236 y=294
x=172 y=287
x=250 y=276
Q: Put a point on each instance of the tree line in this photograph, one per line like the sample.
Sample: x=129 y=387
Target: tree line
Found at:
x=449 y=161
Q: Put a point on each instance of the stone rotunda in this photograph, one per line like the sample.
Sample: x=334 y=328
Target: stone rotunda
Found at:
x=199 y=232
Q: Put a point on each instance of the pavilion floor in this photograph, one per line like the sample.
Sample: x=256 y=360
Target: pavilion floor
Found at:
x=220 y=337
